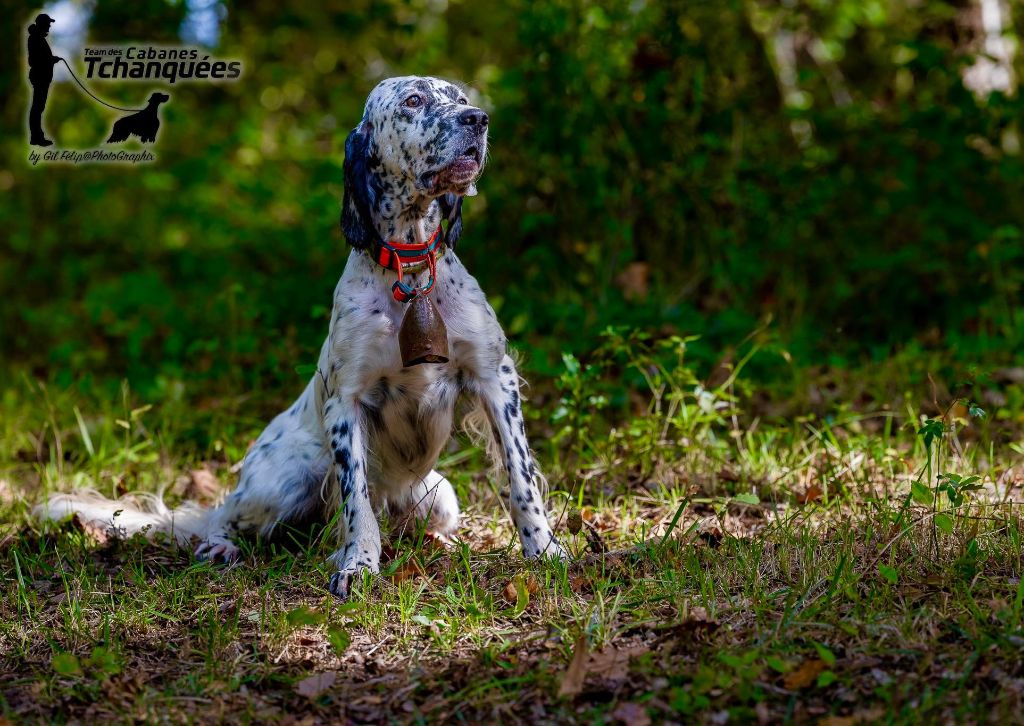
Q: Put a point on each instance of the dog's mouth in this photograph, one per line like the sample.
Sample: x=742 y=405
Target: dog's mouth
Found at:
x=472 y=154
x=459 y=174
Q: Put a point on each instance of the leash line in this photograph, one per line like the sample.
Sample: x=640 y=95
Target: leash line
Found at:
x=99 y=100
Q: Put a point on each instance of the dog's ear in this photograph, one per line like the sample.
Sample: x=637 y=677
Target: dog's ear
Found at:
x=451 y=210
x=356 y=220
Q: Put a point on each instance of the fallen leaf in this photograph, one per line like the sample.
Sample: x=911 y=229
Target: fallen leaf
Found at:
x=94 y=529
x=511 y=590
x=613 y=664
x=805 y=675
x=727 y=474
x=698 y=615
x=572 y=679
x=812 y=494
x=121 y=690
x=867 y=716
x=710 y=533
x=407 y=571
x=579 y=584
x=696 y=620
x=634 y=280
x=632 y=714
x=203 y=486
x=316 y=684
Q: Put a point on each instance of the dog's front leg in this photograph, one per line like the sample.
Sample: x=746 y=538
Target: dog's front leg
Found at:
x=501 y=398
x=360 y=552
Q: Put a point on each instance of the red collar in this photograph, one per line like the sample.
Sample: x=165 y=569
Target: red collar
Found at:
x=396 y=255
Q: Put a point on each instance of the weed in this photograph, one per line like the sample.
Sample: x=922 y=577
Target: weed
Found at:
x=859 y=565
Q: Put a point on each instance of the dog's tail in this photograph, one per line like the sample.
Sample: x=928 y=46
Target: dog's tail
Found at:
x=118 y=133
x=131 y=514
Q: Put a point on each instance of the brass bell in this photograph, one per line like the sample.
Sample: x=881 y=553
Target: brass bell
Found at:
x=423 y=337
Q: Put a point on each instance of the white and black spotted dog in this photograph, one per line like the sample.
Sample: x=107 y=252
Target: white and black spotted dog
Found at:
x=366 y=433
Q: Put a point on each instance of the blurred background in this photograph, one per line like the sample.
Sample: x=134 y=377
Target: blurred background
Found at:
x=838 y=182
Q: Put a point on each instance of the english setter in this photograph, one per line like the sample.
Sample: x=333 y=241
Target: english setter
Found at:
x=367 y=431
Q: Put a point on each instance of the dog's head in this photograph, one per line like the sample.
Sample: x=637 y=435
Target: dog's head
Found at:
x=157 y=98
x=419 y=139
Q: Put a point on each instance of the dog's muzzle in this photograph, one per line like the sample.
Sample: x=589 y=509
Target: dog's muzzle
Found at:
x=466 y=165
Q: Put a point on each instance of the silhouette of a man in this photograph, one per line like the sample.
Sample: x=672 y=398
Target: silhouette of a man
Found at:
x=40 y=74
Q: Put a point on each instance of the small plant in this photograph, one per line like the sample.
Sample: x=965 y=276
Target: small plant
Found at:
x=936 y=435
x=683 y=423
x=303 y=616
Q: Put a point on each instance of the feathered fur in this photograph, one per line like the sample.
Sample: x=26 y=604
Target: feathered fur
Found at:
x=367 y=431
x=138 y=512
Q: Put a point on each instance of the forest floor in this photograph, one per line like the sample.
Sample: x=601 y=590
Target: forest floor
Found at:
x=841 y=572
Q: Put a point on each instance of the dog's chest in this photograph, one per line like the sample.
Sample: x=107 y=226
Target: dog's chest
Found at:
x=409 y=413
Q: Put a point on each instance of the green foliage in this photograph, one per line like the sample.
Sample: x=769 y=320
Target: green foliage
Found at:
x=678 y=419
x=655 y=134
x=102 y=663
x=725 y=586
x=302 y=616
x=956 y=486
x=66 y=664
x=890 y=573
x=339 y=638
x=933 y=429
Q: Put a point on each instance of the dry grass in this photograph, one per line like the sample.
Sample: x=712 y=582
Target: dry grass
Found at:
x=791 y=573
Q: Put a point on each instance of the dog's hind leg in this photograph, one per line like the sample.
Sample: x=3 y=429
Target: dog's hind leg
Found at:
x=430 y=500
x=282 y=482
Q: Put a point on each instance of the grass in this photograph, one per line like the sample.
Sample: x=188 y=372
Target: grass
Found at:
x=858 y=568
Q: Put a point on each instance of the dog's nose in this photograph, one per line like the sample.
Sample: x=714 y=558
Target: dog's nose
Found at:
x=473 y=117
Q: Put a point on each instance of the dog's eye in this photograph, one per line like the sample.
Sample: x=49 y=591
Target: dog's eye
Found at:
x=414 y=101
x=463 y=101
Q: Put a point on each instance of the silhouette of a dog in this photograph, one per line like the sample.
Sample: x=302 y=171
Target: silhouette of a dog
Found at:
x=143 y=124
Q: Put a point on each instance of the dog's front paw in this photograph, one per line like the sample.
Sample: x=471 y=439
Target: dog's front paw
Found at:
x=535 y=548
x=350 y=571
x=341 y=583
x=555 y=551
x=217 y=550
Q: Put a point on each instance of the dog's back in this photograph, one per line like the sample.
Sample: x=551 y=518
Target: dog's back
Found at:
x=143 y=124
x=123 y=128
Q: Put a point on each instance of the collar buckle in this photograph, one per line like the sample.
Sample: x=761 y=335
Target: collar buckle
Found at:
x=407 y=257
